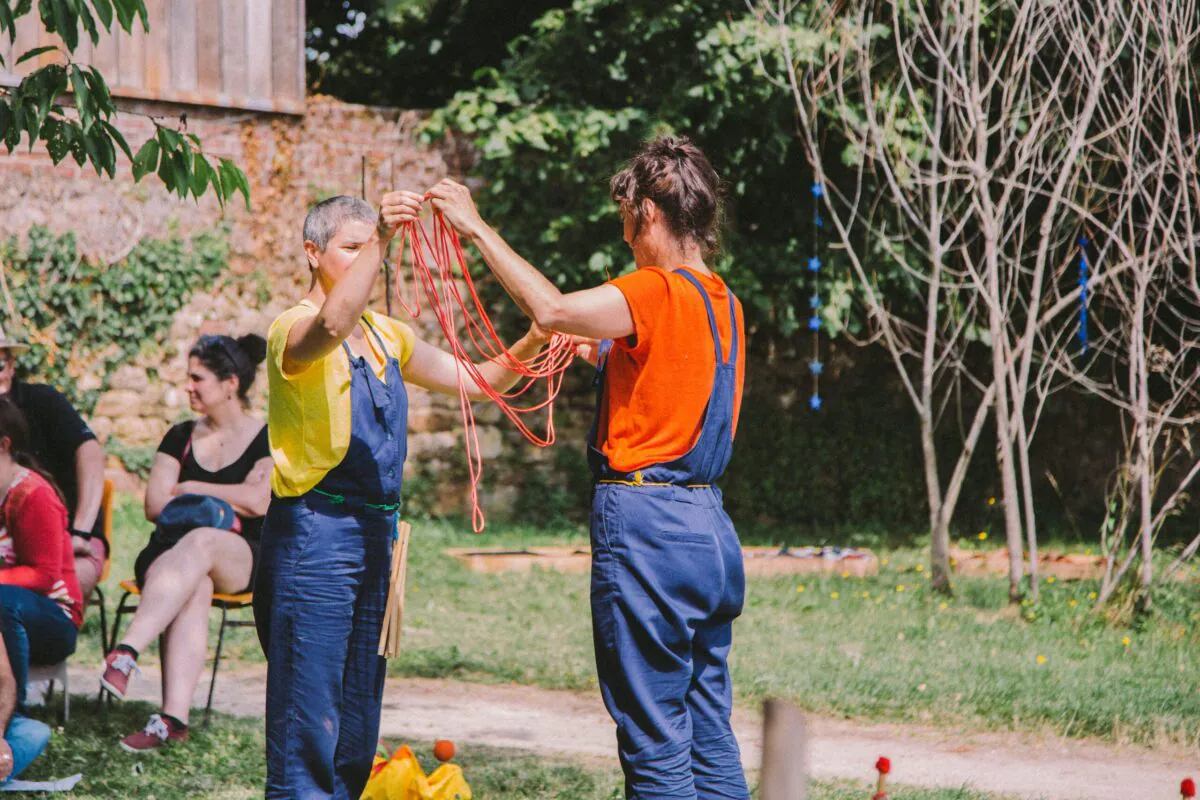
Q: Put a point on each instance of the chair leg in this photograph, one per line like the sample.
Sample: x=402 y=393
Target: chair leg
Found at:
x=66 y=712
x=216 y=665
x=112 y=642
x=103 y=621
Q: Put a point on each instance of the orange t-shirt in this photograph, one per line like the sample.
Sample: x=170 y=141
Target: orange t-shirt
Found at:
x=659 y=380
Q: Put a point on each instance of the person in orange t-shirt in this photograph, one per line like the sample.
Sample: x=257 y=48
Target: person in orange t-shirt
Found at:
x=667 y=574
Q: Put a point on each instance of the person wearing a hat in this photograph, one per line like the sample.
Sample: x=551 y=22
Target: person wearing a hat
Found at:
x=66 y=447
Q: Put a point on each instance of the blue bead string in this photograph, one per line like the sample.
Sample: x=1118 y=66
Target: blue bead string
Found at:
x=1083 y=295
x=815 y=367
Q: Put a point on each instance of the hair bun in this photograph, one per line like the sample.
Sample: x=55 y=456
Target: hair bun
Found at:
x=254 y=346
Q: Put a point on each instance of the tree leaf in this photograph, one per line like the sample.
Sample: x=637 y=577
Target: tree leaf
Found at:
x=99 y=87
x=6 y=122
x=89 y=22
x=117 y=137
x=35 y=52
x=83 y=98
x=169 y=139
x=125 y=14
x=92 y=146
x=200 y=175
x=233 y=179
x=66 y=23
x=146 y=160
x=57 y=143
x=7 y=23
x=104 y=11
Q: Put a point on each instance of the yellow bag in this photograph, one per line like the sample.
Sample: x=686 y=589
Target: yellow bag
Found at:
x=401 y=778
x=447 y=783
x=398 y=778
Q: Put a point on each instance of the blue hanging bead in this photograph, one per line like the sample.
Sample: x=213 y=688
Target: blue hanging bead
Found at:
x=814 y=302
x=818 y=190
x=816 y=367
x=814 y=264
x=814 y=402
x=814 y=323
x=819 y=221
x=1083 y=241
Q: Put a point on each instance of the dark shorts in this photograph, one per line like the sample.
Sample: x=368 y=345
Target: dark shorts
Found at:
x=151 y=552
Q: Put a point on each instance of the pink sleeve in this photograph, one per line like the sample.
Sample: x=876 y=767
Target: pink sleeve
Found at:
x=38 y=530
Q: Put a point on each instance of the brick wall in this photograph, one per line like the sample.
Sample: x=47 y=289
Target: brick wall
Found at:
x=291 y=162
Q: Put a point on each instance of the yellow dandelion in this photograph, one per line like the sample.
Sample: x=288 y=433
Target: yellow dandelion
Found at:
x=884 y=562
x=845 y=574
x=1091 y=595
x=991 y=501
x=983 y=536
x=834 y=595
x=943 y=606
x=866 y=595
x=900 y=587
x=800 y=588
x=1126 y=641
x=1041 y=659
x=1051 y=579
x=1072 y=603
x=919 y=568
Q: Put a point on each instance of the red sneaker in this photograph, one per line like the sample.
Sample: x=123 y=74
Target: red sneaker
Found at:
x=117 y=668
x=158 y=731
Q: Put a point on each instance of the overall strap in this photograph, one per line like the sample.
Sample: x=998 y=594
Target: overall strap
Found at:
x=382 y=347
x=712 y=319
x=733 y=329
x=378 y=338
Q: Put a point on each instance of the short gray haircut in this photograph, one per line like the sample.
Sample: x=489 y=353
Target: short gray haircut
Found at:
x=327 y=217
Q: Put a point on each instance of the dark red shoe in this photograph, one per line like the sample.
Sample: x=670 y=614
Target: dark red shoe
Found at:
x=118 y=666
x=158 y=731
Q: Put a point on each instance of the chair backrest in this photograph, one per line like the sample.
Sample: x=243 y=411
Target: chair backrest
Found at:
x=106 y=521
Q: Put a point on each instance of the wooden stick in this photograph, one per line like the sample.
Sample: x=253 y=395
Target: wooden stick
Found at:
x=393 y=615
x=785 y=756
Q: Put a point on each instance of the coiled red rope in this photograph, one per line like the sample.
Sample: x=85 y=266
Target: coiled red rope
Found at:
x=439 y=283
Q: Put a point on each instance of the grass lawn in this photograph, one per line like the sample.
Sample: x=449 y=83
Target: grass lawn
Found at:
x=882 y=648
x=226 y=762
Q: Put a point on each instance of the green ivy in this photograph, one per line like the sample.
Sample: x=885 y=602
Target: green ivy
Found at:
x=137 y=460
x=81 y=314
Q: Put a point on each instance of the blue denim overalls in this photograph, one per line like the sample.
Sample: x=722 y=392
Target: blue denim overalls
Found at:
x=667 y=583
x=319 y=600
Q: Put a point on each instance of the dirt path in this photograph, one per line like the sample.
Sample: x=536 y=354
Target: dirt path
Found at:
x=575 y=724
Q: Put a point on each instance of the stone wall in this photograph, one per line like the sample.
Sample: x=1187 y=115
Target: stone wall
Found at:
x=291 y=162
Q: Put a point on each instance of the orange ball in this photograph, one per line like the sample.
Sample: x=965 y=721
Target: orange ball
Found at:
x=443 y=749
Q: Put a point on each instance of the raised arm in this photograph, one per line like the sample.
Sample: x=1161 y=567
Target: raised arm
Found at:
x=599 y=313
x=437 y=370
x=315 y=337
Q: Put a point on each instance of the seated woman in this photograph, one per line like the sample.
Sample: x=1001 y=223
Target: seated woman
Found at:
x=41 y=606
x=224 y=454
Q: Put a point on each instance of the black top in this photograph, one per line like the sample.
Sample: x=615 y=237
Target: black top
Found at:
x=175 y=443
x=57 y=431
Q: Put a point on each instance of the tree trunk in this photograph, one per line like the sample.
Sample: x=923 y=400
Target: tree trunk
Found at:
x=939 y=531
x=1027 y=498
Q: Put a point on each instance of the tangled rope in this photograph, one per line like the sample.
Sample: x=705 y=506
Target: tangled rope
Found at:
x=441 y=289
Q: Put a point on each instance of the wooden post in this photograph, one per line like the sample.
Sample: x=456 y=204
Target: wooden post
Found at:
x=785 y=752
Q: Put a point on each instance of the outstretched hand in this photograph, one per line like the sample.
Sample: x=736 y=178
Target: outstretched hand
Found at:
x=453 y=201
x=397 y=208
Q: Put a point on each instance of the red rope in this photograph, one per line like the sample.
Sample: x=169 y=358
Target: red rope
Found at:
x=440 y=287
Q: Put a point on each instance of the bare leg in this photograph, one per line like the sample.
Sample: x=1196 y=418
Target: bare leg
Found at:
x=89 y=562
x=185 y=645
x=174 y=576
